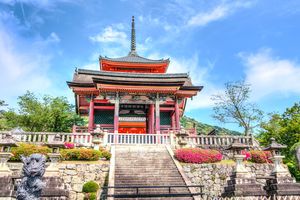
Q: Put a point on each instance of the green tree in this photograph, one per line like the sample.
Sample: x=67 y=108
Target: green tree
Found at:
x=233 y=106
x=285 y=128
x=3 y=124
x=53 y=114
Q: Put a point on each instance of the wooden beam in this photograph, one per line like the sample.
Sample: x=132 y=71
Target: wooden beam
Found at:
x=104 y=107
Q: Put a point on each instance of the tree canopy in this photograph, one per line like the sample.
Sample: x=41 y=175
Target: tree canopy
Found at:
x=53 y=114
x=233 y=106
x=285 y=128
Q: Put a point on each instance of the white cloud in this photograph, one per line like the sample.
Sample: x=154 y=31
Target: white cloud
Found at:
x=219 y=12
x=111 y=35
x=271 y=75
x=53 y=37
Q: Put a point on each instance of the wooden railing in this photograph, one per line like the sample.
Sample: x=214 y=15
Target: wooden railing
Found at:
x=139 y=138
x=79 y=139
x=217 y=140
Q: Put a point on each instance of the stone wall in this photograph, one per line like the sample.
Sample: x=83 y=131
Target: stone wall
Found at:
x=214 y=176
x=75 y=174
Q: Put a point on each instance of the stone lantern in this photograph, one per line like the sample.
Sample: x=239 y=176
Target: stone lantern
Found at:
x=182 y=137
x=54 y=156
x=242 y=183
x=236 y=147
x=276 y=156
x=6 y=143
x=97 y=137
x=282 y=184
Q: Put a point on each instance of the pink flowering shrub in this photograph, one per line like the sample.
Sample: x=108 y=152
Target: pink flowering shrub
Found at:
x=248 y=155
x=258 y=156
x=69 y=145
x=196 y=155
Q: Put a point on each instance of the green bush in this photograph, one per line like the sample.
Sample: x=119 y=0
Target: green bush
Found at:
x=293 y=168
x=80 y=154
x=28 y=149
x=90 y=186
x=105 y=154
x=90 y=196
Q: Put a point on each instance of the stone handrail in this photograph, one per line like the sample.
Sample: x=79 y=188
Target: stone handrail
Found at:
x=217 y=140
x=79 y=139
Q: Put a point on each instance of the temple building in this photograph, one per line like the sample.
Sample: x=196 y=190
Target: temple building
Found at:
x=132 y=94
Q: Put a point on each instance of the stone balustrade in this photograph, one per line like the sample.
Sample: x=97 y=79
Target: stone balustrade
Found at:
x=86 y=139
x=218 y=140
x=81 y=139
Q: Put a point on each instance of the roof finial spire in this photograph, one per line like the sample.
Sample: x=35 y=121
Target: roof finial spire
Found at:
x=133 y=45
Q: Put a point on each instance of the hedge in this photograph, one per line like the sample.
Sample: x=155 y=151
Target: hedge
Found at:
x=80 y=154
x=197 y=155
x=28 y=149
x=67 y=154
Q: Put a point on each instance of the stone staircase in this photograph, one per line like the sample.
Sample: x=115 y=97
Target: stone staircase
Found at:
x=147 y=165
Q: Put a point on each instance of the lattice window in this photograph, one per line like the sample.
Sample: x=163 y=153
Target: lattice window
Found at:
x=165 y=118
x=104 y=117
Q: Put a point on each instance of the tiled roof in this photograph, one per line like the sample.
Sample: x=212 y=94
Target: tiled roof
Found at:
x=134 y=58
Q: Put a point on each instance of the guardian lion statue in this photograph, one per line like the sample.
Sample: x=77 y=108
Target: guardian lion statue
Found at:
x=31 y=185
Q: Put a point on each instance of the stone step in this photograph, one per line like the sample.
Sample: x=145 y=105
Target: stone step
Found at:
x=157 y=198
x=151 y=190
x=146 y=166
x=157 y=172
x=148 y=179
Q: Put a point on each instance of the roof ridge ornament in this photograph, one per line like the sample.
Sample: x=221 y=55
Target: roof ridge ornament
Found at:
x=133 y=41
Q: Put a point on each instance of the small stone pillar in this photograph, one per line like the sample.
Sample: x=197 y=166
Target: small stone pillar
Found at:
x=242 y=183
x=54 y=156
x=282 y=184
x=172 y=142
x=6 y=183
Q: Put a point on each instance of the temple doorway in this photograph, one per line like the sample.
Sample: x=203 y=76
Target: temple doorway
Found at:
x=132 y=118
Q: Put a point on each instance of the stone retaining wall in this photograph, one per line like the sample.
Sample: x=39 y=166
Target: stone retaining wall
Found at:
x=214 y=176
x=75 y=174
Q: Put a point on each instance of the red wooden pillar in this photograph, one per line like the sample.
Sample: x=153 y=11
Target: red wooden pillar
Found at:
x=151 y=119
x=157 y=115
x=91 y=115
x=177 y=117
x=173 y=124
x=116 y=114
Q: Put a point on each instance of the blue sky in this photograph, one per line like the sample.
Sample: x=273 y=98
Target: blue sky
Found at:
x=42 y=41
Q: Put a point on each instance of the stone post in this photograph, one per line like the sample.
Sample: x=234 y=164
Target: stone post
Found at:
x=54 y=156
x=172 y=142
x=105 y=137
